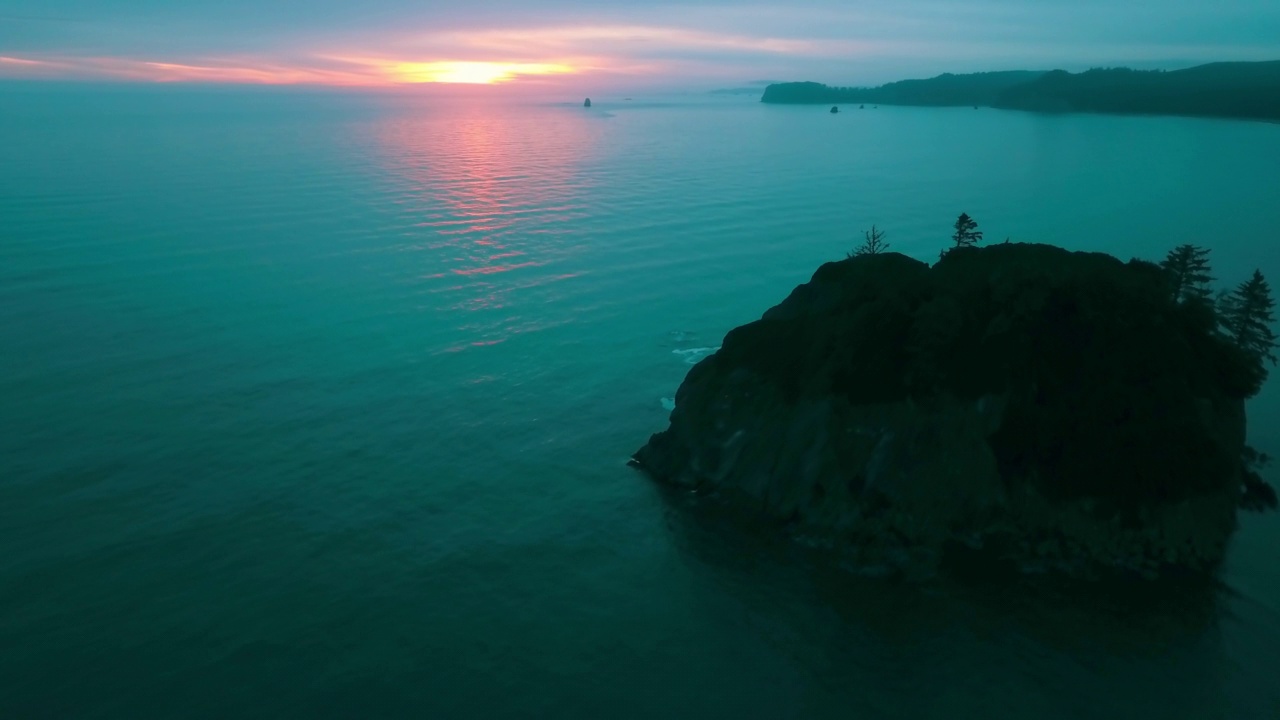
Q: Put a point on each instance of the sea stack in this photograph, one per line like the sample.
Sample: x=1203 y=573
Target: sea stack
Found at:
x=587 y=103
x=1017 y=405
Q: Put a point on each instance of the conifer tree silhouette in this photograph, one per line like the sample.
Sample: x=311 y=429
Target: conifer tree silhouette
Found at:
x=1188 y=268
x=967 y=233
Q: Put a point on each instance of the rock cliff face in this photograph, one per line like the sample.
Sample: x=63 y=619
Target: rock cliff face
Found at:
x=1014 y=403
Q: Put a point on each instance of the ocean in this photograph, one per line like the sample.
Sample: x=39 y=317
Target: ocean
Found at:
x=318 y=405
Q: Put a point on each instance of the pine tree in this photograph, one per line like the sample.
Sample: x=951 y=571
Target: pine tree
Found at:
x=1188 y=269
x=873 y=245
x=1247 y=316
x=967 y=233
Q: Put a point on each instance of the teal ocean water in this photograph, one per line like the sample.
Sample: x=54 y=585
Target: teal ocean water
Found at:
x=319 y=406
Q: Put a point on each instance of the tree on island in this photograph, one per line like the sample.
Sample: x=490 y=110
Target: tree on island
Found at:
x=873 y=245
x=967 y=233
x=1246 y=313
x=1188 y=268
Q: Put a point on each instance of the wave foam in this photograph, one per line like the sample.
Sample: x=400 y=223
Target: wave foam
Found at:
x=695 y=354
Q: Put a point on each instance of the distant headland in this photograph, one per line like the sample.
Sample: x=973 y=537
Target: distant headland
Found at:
x=1246 y=90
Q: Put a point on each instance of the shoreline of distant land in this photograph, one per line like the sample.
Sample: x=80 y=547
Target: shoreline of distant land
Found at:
x=1237 y=90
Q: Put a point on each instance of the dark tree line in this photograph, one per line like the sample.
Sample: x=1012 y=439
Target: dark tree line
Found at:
x=943 y=90
x=1244 y=314
x=1239 y=89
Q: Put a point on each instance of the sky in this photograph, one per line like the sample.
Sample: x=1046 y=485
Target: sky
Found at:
x=605 y=45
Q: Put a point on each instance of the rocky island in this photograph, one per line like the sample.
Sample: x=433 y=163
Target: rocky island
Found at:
x=1020 y=404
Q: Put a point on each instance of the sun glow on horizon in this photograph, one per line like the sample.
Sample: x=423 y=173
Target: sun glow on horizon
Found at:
x=330 y=70
x=470 y=72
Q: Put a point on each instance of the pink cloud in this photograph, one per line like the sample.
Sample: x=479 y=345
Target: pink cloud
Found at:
x=216 y=71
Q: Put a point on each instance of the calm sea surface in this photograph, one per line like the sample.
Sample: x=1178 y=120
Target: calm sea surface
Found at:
x=319 y=406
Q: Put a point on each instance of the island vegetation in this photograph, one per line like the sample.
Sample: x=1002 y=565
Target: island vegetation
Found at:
x=946 y=89
x=873 y=243
x=1236 y=90
x=1049 y=409
x=1249 y=90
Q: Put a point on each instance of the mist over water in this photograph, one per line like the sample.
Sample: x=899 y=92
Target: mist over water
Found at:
x=319 y=406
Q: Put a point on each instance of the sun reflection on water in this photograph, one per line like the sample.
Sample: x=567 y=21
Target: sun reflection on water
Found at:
x=492 y=199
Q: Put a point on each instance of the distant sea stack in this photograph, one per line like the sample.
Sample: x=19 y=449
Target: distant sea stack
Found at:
x=1246 y=90
x=586 y=103
x=1016 y=404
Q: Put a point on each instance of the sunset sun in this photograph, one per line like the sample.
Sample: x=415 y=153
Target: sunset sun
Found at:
x=475 y=73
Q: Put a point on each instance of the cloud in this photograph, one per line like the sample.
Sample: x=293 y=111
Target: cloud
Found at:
x=335 y=71
x=21 y=62
x=225 y=71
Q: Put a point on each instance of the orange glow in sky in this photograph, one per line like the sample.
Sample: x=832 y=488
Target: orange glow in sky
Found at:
x=478 y=73
x=326 y=70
